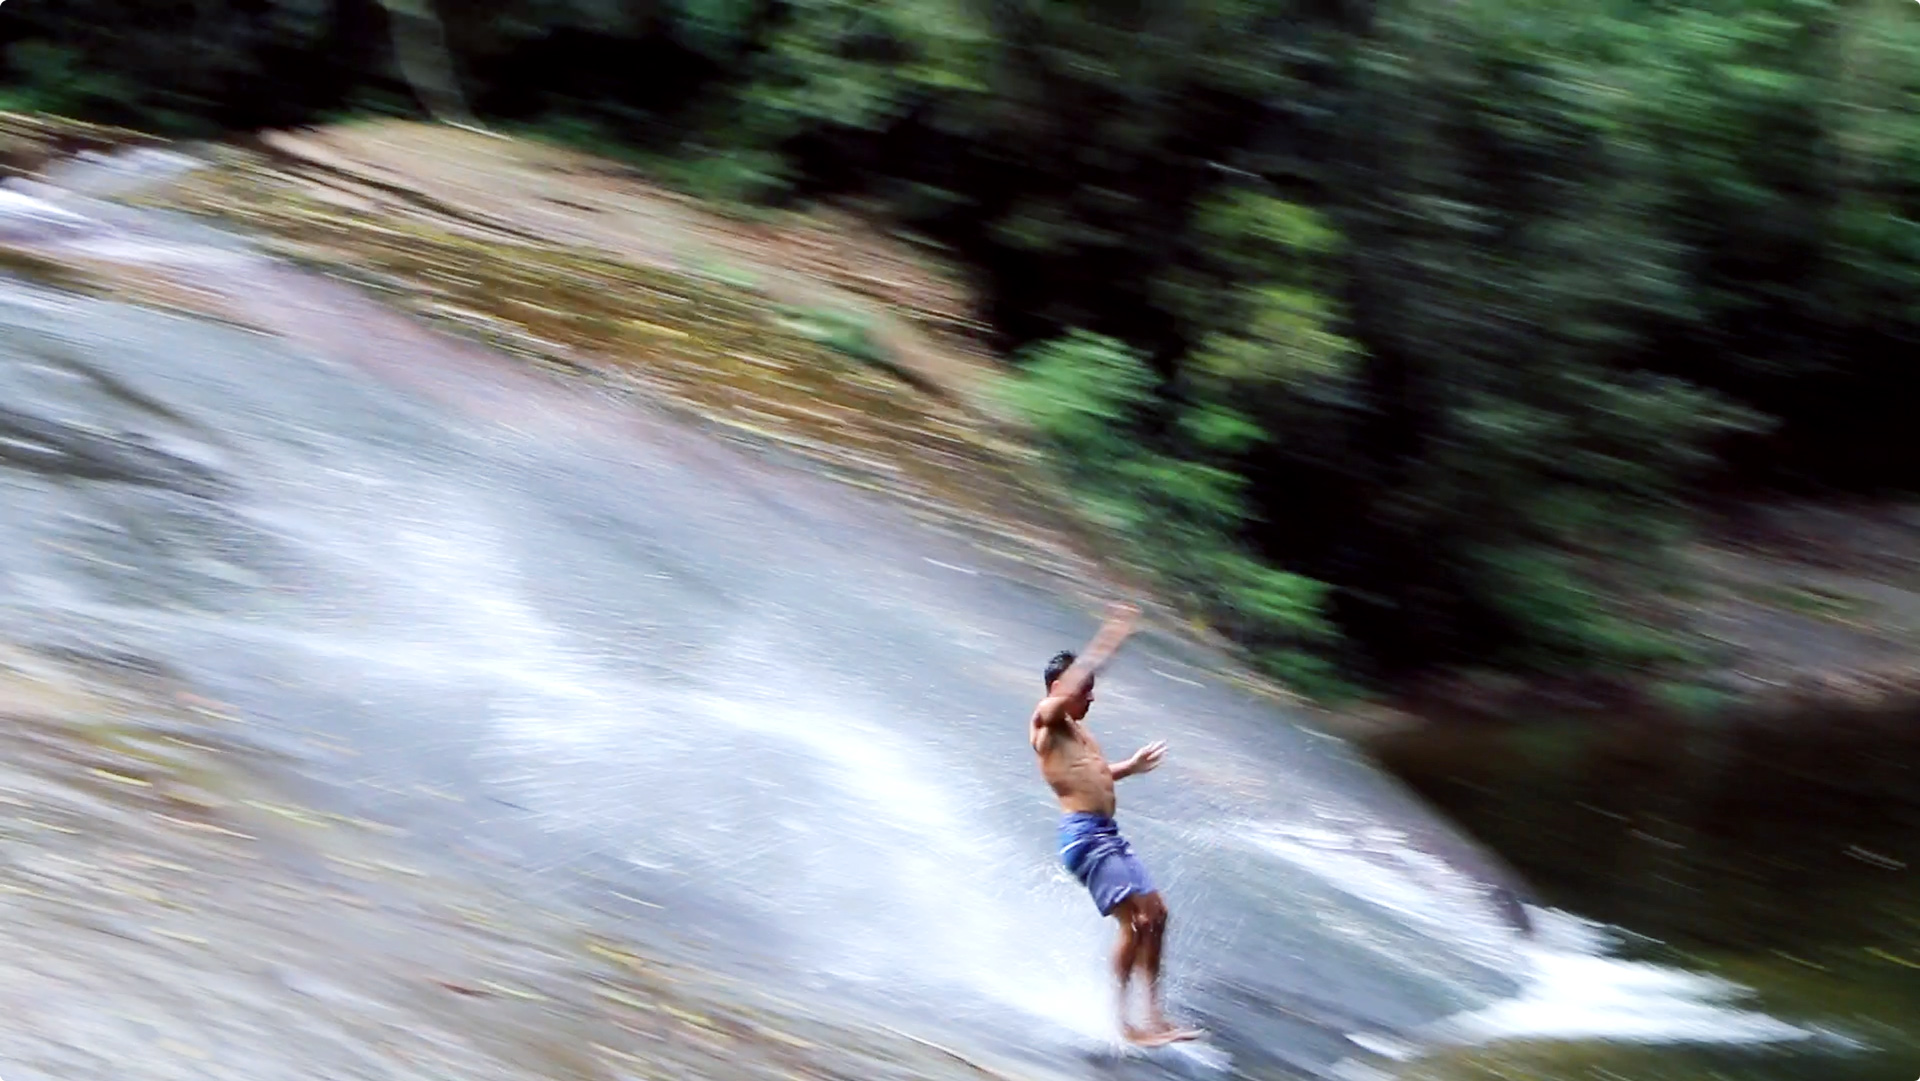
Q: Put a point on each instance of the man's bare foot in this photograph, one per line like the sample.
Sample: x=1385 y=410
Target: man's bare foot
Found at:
x=1162 y=1035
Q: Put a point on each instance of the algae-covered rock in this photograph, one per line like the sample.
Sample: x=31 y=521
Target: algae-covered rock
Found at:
x=29 y=142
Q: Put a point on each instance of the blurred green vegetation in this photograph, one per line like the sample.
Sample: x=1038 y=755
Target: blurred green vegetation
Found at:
x=1394 y=333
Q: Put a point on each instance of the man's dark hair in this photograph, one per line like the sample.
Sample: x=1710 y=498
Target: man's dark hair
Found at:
x=1058 y=666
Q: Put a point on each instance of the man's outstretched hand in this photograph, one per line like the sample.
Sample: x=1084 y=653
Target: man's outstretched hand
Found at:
x=1145 y=760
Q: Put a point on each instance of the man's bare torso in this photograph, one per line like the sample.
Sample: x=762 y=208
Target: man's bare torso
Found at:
x=1073 y=764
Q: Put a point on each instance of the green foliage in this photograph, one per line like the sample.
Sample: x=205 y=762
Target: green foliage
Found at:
x=1415 y=320
x=720 y=29
x=56 y=80
x=858 y=65
x=1087 y=395
x=1094 y=402
x=844 y=332
x=175 y=68
x=1256 y=305
x=1691 y=700
x=1518 y=272
x=1788 y=133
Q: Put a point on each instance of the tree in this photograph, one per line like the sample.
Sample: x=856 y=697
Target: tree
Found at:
x=420 y=49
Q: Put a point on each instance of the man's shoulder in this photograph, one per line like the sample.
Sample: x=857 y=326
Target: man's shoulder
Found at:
x=1050 y=711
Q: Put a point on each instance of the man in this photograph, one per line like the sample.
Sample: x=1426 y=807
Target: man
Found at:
x=1090 y=843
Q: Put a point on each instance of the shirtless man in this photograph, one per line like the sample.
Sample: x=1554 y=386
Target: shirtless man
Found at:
x=1090 y=843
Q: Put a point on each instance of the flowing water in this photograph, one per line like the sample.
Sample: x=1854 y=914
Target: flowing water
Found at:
x=753 y=716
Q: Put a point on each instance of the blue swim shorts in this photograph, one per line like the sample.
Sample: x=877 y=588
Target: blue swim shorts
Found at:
x=1092 y=849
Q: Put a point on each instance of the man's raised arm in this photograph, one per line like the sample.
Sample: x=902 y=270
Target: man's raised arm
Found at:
x=1113 y=633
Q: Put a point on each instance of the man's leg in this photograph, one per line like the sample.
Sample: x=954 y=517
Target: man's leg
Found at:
x=1152 y=933
x=1126 y=958
x=1152 y=930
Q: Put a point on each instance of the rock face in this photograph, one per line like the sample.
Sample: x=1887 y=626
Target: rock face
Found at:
x=30 y=143
x=25 y=218
x=50 y=442
x=459 y=577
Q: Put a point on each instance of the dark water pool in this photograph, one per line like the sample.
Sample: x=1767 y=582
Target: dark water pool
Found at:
x=1783 y=856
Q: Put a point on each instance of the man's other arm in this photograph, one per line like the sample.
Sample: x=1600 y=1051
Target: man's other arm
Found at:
x=1144 y=760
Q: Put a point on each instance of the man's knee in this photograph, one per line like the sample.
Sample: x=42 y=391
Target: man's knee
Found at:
x=1148 y=914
